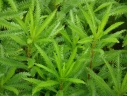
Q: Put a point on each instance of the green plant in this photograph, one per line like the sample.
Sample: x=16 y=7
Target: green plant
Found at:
x=116 y=85
x=62 y=47
x=60 y=71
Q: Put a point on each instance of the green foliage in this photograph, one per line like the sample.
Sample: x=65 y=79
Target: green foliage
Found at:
x=116 y=82
x=63 y=48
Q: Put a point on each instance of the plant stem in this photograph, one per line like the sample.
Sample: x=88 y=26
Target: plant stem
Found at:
x=61 y=85
x=92 y=55
x=29 y=51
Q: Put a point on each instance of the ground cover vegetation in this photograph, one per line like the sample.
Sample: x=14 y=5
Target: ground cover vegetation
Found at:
x=63 y=48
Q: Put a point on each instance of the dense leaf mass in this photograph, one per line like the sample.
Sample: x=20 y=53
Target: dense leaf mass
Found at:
x=63 y=48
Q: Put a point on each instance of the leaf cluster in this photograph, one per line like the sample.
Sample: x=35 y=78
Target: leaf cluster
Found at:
x=62 y=48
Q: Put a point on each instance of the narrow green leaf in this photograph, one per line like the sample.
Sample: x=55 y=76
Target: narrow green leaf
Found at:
x=101 y=83
x=124 y=84
x=47 y=69
x=57 y=57
x=103 y=6
x=32 y=27
x=39 y=71
x=33 y=80
x=71 y=58
x=47 y=93
x=58 y=63
x=9 y=25
x=116 y=34
x=110 y=39
x=119 y=72
x=103 y=23
x=11 y=14
x=12 y=63
x=45 y=40
x=60 y=93
x=22 y=25
x=46 y=23
x=63 y=72
x=13 y=89
x=55 y=30
x=111 y=71
x=121 y=9
x=8 y=33
x=77 y=29
x=70 y=69
x=85 y=40
x=125 y=41
x=10 y=73
x=18 y=40
x=64 y=33
x=77 y=92
x=92 y=86
x=1 y=51
x=88 y=20
x=72 y=17
x=15 y=79
x=74 y=80
x=92 y=15
x=43 y=85
x=13 y=5
x=57 y=2
x=44 y=55
x=30 y=62
x=37 y=12
x=113 y=26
